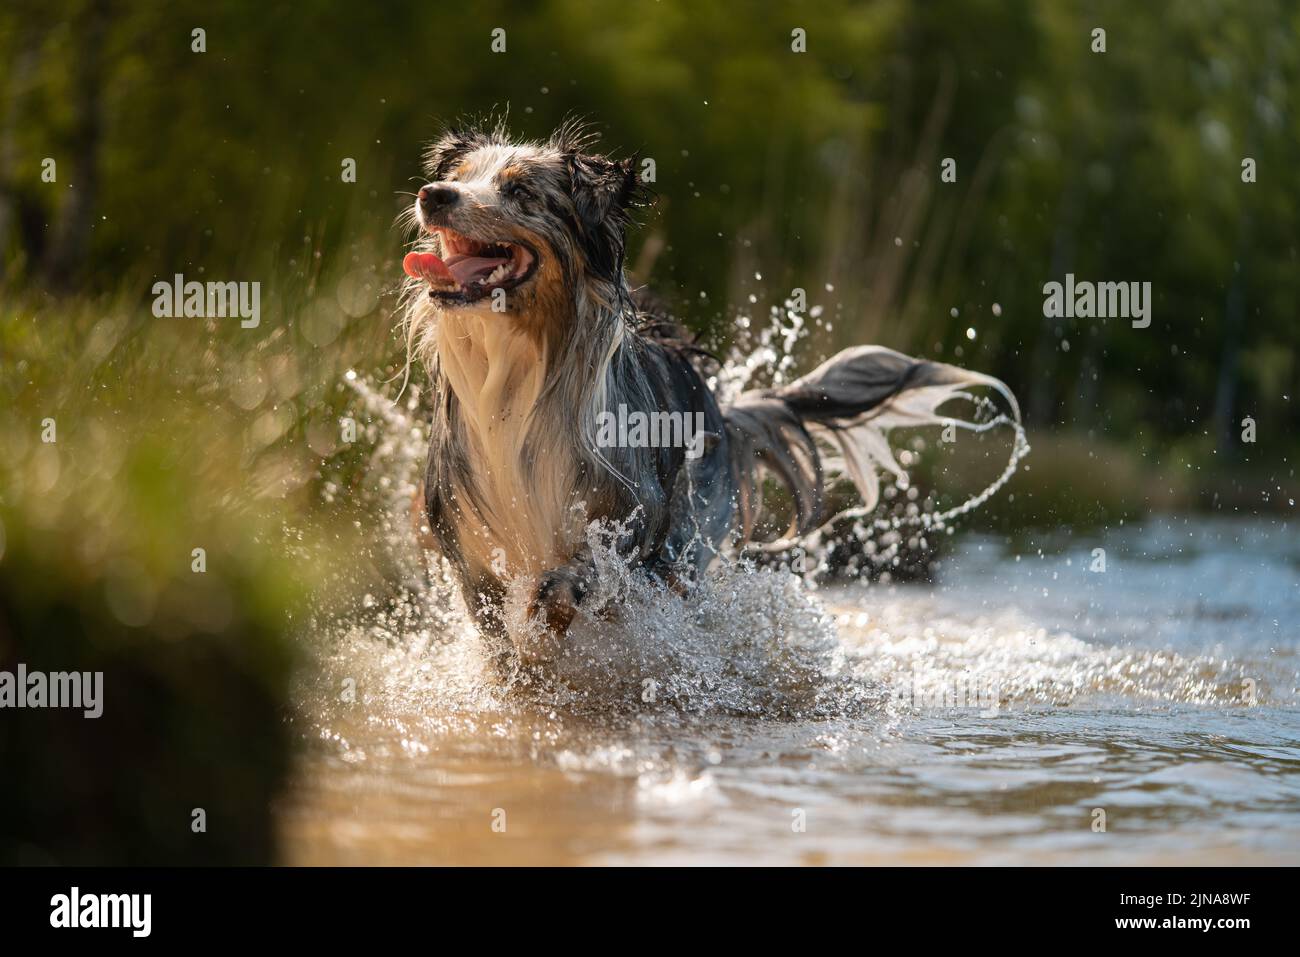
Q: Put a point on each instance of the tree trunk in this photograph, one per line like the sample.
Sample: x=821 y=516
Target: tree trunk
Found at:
x=66 y=253
x=1234 y=317
x=1041 y=407
x=27 y=48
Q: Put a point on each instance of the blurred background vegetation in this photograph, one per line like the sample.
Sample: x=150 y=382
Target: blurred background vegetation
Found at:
x=774 y=170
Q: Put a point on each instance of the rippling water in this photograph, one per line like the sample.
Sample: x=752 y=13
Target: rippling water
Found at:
x=994 y=717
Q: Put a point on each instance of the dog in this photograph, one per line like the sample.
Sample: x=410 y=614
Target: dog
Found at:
x=518 y=305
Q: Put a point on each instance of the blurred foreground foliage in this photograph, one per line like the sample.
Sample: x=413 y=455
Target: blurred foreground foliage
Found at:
x=123 y=457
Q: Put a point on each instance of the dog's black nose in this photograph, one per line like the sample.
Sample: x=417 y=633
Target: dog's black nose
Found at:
x=434 y=197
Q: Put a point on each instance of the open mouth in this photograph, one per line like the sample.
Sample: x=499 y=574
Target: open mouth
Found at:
x=468 y=269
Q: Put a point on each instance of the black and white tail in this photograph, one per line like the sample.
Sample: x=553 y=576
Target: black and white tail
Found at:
x=835 y=422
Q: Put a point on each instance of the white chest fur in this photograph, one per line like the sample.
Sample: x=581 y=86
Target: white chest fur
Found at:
x=521 y=519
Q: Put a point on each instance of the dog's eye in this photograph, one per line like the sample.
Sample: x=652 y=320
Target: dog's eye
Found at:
x=514 y=189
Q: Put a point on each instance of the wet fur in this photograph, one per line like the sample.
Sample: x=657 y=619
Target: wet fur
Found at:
x=514 y=473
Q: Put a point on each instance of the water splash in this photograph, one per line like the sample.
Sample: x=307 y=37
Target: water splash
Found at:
x=742 y=641
x=745 y=641
x=933 y=656
x=764 y=359
x=878 y=532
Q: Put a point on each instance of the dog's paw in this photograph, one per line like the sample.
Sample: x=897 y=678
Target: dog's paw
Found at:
x=555 y=601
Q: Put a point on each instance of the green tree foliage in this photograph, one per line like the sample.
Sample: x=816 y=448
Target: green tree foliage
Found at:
x=817 y=169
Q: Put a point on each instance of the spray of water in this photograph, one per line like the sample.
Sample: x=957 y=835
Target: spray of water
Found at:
x=745 y=640
x=748 y=640
x=767 y=358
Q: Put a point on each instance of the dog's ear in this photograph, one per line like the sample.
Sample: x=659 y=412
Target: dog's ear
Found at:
x=443 y=154
x=602 y=188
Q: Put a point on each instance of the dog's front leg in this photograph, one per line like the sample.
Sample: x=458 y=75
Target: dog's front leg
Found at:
x=559 y=591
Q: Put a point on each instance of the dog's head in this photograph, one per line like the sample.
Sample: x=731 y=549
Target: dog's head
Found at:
x=519 y=228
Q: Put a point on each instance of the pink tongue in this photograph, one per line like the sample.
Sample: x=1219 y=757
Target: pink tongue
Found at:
x=426 y=266
x=467 y=267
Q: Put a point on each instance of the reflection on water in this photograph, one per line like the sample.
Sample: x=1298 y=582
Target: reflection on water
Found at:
x=987 y=719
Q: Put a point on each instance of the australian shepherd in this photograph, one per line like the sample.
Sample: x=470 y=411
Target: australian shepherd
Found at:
x=519 y=308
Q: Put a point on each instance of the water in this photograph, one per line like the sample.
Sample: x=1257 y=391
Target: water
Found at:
x=1001 y=715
